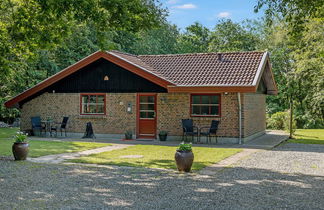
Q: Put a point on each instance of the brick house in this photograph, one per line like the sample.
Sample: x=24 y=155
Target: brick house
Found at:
x=149 y=93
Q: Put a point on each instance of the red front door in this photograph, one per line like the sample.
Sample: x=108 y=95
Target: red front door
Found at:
x=146 y=115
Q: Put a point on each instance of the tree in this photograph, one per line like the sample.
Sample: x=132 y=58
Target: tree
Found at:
x=296 y=12
x=309 y=75
x=195 y=39
x=31 y=29
x=229 y=36
x=161 y=40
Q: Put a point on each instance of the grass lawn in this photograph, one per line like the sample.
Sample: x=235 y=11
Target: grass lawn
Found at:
x=308 y=136
x=157 y=157
x=41 y=148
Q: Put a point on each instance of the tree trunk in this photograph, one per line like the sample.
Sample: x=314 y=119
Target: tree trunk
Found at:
x=291 y=119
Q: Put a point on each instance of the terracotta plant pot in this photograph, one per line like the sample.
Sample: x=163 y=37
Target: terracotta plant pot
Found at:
x=163 y=137
x=184 y=160
x=20 y=150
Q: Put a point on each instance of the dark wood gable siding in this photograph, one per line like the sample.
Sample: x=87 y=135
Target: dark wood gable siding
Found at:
x=90 y=79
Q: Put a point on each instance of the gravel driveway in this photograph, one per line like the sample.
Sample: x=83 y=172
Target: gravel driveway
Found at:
x=290 y=176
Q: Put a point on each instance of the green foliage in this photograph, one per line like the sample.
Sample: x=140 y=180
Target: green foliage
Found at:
x=20 y=137
x=195 y=39
x=163 y=133
x=129 y=132
x=295 y=12
x=39 y=38
x=280 y=121
x=229 y=36
x=184 y=147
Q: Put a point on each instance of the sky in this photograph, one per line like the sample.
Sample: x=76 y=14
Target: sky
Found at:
x=207 y=12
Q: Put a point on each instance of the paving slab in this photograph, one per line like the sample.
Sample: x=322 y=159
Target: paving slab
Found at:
x=269 y=140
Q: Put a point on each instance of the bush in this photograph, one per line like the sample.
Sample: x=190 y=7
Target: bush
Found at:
x=280 y=121
x=185 y=147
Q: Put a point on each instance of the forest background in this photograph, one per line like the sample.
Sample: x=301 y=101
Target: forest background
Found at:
x=39 y=38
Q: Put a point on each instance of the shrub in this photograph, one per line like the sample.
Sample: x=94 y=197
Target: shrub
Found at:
x=280 y=121
x=20 y=137
x=184 y=147
x=163 y=133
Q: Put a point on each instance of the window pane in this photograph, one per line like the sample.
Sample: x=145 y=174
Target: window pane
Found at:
x=84 y=99
x=146 y=106
x=100 y=109
x=214 y=110
x=147 y=99
x=196 y=110
x=93 y=98
x=205 y=99
x=101 y=99
x=143 y=114
x=195 y=99
x=150 y=115
x=215 y=99
x=150 y=99
x=143 y=99
x=84 y=109
x=92 y=109
x=204 y=110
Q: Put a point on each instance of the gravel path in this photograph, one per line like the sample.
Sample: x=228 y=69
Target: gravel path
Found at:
x=288 y=177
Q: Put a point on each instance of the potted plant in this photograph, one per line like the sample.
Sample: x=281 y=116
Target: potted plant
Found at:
x=128 y=135
x=163 y=135
x=20 y=147
x=184 y=157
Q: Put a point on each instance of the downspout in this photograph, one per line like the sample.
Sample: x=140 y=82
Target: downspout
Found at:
x=240 y=116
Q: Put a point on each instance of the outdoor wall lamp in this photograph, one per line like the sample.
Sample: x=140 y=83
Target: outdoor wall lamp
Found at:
x=106 y=78
x=129 y=107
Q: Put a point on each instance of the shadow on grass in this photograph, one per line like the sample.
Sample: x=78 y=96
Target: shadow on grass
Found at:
x=162 y=164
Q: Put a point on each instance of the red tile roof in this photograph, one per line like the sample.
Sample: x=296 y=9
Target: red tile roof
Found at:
x=199 y=72
x=201 y=69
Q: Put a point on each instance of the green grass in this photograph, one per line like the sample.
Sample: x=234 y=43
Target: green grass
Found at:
x=157 y=157
x=8 y=132
x=41 y=148
x=308 y=136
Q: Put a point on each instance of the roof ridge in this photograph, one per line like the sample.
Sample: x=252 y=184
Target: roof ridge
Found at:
x=125 y=53
x=192 y=54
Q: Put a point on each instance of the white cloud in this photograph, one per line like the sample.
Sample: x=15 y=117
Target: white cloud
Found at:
x=223 y=14
x=185 y=6
x=173 y=1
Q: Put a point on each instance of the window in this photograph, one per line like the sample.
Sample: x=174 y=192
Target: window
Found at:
x=147 y=107
x=93 y=104
x=205 y=105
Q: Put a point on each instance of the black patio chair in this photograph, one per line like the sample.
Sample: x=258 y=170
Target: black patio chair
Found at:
x=37 y=125
x=60 y=127
x=210 y=131
x=189 y=129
